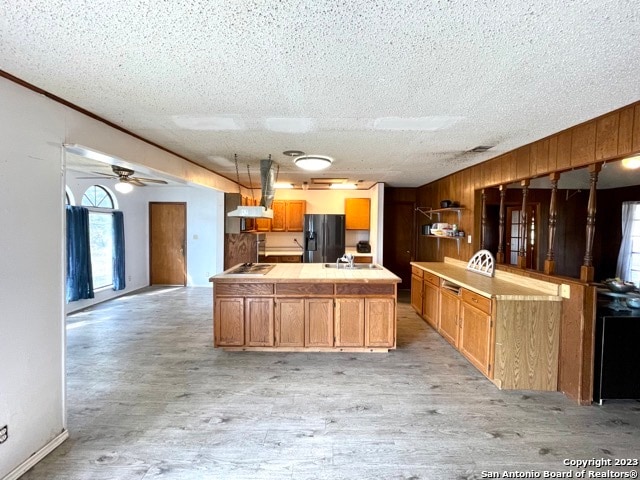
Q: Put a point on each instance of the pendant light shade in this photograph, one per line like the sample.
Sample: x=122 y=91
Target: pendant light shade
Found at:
x=313 y=162
x=123 y=187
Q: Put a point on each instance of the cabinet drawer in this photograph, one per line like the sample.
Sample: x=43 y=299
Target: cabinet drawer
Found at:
x=304 y=288
x=243 y=289
x=478 y=301
x=432 y=279
x=417 y=271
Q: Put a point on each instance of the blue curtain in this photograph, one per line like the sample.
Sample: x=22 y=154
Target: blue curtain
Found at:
x=118 y=251
x=79 y=282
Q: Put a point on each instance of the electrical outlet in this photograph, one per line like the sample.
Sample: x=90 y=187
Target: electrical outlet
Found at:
x=4 y=433
x=129 y=277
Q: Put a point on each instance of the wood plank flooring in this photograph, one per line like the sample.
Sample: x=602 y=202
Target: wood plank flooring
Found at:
x=150 y=398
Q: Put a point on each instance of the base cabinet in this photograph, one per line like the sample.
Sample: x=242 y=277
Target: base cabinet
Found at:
x=431 y=304
x=229 y=323
x=289 y=322
x=416 y=293
x=259 y=322
x=349 y=322
x=318 y=322
x=449 y=316
x=475 y=337
x=380 y=317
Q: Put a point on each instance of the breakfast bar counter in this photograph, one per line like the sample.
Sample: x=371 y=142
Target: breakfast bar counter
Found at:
x=305 y=307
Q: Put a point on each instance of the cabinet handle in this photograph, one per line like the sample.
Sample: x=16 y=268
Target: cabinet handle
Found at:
x=475 y=300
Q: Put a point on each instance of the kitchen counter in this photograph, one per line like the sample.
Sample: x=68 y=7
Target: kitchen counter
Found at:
x=503 y=286
x=312 y=272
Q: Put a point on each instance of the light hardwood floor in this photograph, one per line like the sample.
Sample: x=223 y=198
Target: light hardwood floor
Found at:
x=150 y=398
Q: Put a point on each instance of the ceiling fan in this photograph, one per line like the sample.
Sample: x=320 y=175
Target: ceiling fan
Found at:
x=126 y=180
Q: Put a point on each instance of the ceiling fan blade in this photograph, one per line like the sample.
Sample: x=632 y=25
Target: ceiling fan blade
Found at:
x=135 y=181
x=92 y=178
x=149 y=180
x=106 y=174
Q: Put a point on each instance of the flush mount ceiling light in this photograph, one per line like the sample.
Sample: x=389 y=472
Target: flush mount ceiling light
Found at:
x=343 y=186
x=281 y=185
x=631 y=163
x=313 y=162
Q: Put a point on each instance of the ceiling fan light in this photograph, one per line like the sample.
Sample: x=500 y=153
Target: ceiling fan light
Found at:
x=631 y=163
x=124 y=187
x=313 y=162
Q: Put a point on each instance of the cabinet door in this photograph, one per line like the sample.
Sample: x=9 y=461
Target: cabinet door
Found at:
x=475 y=337
x=318 y=322
x=295 y=215
x=380 y=322
x=290 y=322
x=357 y=213
x=259 y=322
x=430 y=304
x=279 y=222
x=228 y=319
x=263 y=224
x=449 y=311
x=416 y=293
x=349 y=322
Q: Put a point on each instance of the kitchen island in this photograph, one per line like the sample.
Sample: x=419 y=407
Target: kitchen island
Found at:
x=305 y=307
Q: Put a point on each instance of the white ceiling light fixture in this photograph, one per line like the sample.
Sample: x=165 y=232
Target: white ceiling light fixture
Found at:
x=631 y=163
x=343 y=186
x=313 y=162
x=124 y=187
x=281 y=185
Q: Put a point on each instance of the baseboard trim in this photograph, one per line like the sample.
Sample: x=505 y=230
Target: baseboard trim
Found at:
x=30 y=462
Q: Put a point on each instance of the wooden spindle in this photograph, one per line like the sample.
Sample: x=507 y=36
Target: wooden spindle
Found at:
x=501 y=235
x=550 y=262
x=587 y=270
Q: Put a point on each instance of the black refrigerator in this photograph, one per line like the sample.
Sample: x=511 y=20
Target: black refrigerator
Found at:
x=323 y=238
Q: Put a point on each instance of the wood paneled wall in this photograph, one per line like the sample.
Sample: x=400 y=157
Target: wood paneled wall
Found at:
x=608 y=137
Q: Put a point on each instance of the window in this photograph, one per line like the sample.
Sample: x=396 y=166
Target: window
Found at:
x=101 y=234
x=628 y=267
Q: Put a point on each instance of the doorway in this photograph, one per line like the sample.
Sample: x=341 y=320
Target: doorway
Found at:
x=167 y=243
x=399 y=239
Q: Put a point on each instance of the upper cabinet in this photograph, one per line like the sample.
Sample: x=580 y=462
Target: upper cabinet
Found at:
x=358 y=213
x=288 y=216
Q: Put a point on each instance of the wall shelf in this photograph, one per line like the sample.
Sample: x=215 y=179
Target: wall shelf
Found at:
x=430 y=212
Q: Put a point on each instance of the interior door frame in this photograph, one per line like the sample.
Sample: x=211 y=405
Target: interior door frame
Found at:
x=184 y=247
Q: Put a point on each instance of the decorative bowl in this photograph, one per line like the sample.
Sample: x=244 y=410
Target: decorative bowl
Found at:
x=619 y=286
x=633 y=302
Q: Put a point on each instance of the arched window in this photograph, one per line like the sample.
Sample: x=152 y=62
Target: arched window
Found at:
x=97 y=196
x=68 y=196
x=100 y=204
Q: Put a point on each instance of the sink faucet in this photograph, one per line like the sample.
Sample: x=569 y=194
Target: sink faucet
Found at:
x=346 y=258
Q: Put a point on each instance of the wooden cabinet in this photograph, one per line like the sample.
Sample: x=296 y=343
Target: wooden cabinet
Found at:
x=288 y=216
x=380 y=317
x=449 y=314
x=263 y=224
x=416 y=289
x=357 y=213
x=430 y=304
x=318 y=322
x=350 y=322
x=475 y=337
x=362 y=259
x=229 y=323
x=259 y=322
x=289 y=322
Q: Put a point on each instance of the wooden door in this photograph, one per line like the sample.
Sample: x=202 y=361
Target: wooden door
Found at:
x=349 y=322
x=295 y=215
x=259 y=322
x=318 y=322
x=380 y=322
x=167 y=243
x=290 y=322
x=399 y=239
x=475 y=337
x=449 y=311
x=514 y=219
x=228 y=319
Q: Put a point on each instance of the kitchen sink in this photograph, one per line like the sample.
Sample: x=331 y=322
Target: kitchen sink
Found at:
x=356 y=266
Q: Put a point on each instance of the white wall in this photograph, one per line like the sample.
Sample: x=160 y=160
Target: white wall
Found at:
x=33 y=129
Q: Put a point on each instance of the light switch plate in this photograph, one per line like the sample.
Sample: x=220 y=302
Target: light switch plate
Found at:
x=468 y=238
x=565 y=291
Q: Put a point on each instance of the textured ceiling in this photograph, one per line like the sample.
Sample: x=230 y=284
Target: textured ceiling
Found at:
x=394 y=91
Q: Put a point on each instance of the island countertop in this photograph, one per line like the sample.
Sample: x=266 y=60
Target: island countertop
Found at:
x=310 y=272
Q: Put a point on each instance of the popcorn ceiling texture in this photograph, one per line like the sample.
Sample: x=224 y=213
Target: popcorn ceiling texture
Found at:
x=316 y=75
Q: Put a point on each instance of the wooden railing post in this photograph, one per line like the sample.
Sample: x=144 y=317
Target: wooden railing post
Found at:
x=501 y=236
x=522 y=252
x=483 y=219
x=587 y=270
x=550 y=262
